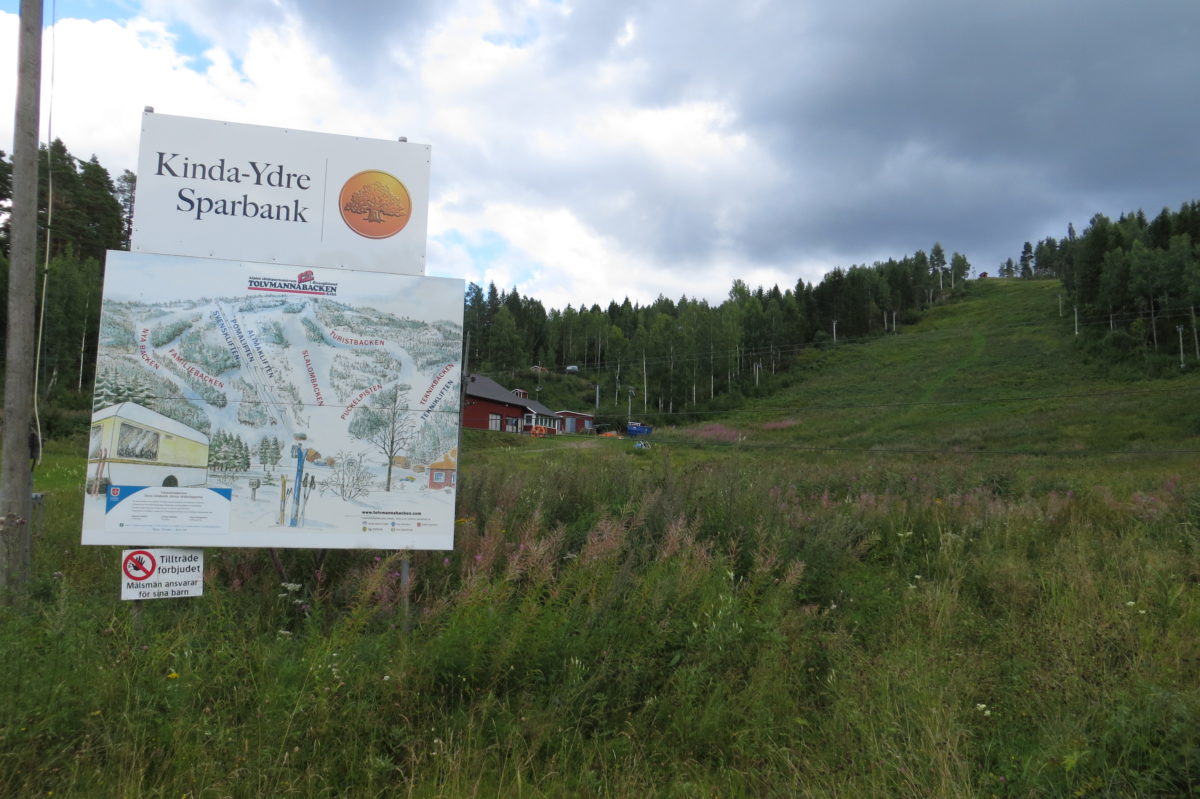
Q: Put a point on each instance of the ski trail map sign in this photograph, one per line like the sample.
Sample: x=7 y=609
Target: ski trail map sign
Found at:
x=250 y=404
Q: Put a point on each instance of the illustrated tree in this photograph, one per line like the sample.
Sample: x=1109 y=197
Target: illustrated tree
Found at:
x=241 y=454
x=220 y=452
x=376 y=201
x=385 y=424
x=270 y=450
x=349 y=479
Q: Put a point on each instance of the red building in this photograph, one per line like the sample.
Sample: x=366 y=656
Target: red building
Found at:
x=490 y=406
x=577 y=422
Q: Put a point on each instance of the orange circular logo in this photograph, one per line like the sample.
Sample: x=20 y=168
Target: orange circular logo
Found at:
x=375 y=204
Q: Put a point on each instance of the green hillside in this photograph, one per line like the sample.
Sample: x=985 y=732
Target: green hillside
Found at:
x=998 y=371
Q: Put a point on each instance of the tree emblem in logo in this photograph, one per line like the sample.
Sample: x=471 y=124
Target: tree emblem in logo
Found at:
x=375 y=204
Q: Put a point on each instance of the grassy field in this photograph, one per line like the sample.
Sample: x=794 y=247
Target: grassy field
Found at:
x=958 y=562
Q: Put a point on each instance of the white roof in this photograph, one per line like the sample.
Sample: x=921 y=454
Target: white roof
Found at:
x=143 y=415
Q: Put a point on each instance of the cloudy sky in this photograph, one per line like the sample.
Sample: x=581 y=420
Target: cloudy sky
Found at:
x=590 y=150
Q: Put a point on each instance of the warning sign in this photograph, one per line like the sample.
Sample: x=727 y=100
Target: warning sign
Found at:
x=162 y=573
x=139 y=564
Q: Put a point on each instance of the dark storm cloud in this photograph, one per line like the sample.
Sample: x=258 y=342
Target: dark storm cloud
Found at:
x=886 y=125
x=898 y=124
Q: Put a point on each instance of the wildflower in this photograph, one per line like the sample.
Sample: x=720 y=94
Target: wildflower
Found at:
x=981 y=707
x=387 y=677
x=1142 y=612
x=174 y=675
x=284 y=633
x=987 y=712
x=445 y=561
x=1130 y=603
x=290 y=587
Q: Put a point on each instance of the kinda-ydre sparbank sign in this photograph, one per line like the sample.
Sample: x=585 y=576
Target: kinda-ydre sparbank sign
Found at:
x=224 y=190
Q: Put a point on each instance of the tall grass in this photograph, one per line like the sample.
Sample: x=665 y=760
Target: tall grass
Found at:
x=676 y=624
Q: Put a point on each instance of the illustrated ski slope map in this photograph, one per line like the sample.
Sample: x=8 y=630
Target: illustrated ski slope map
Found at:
x=248 y=404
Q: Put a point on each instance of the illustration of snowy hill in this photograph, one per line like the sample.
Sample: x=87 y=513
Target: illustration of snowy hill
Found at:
x=315 y=384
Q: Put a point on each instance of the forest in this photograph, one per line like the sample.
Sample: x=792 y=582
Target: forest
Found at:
x=82 y=212
x=682 y=356
x=1133 y=281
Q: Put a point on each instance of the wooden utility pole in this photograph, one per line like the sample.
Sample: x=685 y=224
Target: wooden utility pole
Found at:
x=645 y=392
x=16 y=483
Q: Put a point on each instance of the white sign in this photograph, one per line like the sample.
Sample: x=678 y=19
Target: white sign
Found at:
x=162 y=573
x=141 y=511
x=224 y=190
x=247 y=404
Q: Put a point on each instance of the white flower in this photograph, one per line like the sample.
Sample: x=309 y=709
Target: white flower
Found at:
x=1130 y=603
x=981 y=707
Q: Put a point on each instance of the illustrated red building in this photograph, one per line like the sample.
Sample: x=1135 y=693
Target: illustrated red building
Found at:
x=444 y=473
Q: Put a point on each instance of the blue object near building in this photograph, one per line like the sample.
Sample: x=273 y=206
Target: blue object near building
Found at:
x=633 y=429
